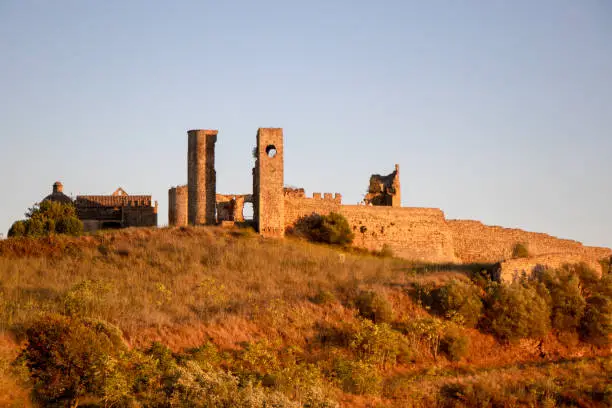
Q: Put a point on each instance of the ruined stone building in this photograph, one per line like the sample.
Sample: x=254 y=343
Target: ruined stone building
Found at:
x=422 y=234
x=119 y=210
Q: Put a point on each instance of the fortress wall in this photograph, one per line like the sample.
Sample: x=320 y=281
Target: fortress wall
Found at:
x=298 y=206
x=412 y=233
x=476 y=242
x=513 y=269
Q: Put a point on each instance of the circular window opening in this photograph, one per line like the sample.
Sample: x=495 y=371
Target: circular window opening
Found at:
x=271 y=151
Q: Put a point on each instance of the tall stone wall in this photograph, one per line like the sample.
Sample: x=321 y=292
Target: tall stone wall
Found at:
x=268 y=182
x=412 y=233
x=177 y=206
x=476 y=242
x=298 y=205
x=201 y=176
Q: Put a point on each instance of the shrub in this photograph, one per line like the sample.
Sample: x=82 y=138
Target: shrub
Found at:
x=323 y=297
x=48 y=217
x=458 y=301
x=377 y=343
x=520 y=250
x=596 y=324
x=331 y=229
x=566 y=299
x=18 y=229
x=70 y=358
x=455 y=344
x=357 y=377
x=517 y=311
x=374 y=306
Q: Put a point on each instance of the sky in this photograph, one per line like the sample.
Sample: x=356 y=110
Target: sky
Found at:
x=498 y=111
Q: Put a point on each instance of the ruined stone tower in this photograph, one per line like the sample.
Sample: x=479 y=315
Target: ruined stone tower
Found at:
x=268 y=182
x=201 y=176
x=177 y=206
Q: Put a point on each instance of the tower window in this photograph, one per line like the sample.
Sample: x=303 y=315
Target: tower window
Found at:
x=271 y=151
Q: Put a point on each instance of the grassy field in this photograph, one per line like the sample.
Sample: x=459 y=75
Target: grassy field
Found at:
x=284 y=315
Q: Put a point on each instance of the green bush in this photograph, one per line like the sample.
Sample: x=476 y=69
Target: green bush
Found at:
x=332 y=229
x=374 y=306
x=567 y=302
x=46 y=218
x=18 y=229
x=596 y=324
x=72 y=358
x=377 y=343
x=455 y=344
x=458 y=301
x=357 y=377
x=516 y=311
x=520 y=250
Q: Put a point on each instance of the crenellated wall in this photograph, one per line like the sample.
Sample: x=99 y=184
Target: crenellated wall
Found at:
x=477 y=242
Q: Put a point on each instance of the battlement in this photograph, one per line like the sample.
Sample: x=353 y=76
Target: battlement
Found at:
x=299 y=193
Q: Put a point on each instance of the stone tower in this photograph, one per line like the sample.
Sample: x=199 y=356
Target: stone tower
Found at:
x=268 y=183
x=396 y=198
x=201 y=177
x=177 y=206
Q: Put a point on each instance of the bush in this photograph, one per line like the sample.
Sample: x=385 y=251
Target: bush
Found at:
x=458 y=301
x=377 y=343
x=374 y=306
x=520 y=250
x=48 y=217
x=323 y=297
x=18 y=229
x=455 y=344
x=357 y=377
x=332 y=229
x=596 y=324
x=566 y=299
x=71 y=358
x=516 y=312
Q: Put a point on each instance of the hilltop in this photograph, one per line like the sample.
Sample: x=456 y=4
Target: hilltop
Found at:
x=292 y=319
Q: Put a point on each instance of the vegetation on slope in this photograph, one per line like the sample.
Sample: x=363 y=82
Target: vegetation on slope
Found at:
x=212 y=317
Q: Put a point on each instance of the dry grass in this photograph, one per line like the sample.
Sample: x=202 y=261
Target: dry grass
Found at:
x=185 y=286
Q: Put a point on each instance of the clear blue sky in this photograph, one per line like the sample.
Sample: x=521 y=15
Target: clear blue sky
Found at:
x=499 y=111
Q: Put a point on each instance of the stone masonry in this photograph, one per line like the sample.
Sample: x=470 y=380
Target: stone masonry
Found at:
x=420 y=234
x=268 y=198
x=201 y=177
x=177 y=206
x=384 y=190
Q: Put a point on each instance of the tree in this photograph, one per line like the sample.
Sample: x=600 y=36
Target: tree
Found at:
x=332 y=229
x=69 y=358
x=46 y=218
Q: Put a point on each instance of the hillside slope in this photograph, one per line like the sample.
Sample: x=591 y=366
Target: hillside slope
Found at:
x=288 y=315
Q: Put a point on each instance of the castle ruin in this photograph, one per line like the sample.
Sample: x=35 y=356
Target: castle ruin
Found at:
x=420 y=234
x=118 y=210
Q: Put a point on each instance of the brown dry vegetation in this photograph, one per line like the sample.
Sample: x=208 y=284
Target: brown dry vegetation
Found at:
x=185 y=287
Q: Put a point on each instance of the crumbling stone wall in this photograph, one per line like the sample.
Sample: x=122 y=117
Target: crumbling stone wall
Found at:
x=177 y=206
x=201 y=176
x=384 y=190
x=478 y=243
x=268 y=182
x=412 y=233
x=513 y=269
x=230 y=207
